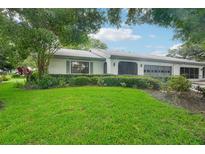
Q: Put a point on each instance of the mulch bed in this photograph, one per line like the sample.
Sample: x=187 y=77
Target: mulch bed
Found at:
x=189 y=100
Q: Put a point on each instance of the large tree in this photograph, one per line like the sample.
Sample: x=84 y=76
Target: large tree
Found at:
x=189 y=26
x=188 y=51
x=41 y=32
x=187 y=23
x=91 y=43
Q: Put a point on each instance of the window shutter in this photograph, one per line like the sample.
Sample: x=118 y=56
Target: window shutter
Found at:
x=91 y=67
x=68 y=67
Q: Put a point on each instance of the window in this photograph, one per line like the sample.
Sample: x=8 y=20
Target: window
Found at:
x=129 y=68
x=79 y=67
x=190 y=73
x=105 y=68
x=157 y=71
x=203 y=72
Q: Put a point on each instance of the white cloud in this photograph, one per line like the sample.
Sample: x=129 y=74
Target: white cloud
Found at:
x=111 y=34
x=118 y=49
x=155 y=46
x=152 y=36
x=159 y=53
x=175 y=46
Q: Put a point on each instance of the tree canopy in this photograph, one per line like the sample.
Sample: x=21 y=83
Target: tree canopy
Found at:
x=188 y=24
x=41 y=32
x=188 y=51
x=91 y=43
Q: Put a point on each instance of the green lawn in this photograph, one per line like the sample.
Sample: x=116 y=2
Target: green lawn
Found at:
x=93 y=115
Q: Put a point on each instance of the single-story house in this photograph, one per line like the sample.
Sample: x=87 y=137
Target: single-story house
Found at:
x=98 y=61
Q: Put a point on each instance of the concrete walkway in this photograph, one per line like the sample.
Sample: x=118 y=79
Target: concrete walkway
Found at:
x=199 y=83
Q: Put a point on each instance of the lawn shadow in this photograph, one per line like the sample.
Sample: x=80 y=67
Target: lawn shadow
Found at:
x=1 y=105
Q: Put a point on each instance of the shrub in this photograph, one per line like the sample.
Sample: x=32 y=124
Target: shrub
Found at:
x=1 y=79
x=16 y=76
x=179 y=84
x=201 y=90
x=124 y=81
x=83 y=80
x=6 y=77
x=33 y=77
x=50 y=81
x=47 y=81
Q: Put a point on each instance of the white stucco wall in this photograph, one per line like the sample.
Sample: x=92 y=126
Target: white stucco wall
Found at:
x=175 y=67
x=58 y=66
x=98 y=67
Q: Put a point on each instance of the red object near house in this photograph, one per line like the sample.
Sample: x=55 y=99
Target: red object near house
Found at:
x=24 y=71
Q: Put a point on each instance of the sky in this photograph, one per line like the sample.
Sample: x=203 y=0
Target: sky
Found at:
x=140 y=39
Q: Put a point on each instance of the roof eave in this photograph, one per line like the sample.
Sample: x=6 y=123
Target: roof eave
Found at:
x=78 y=58
x=155 y=60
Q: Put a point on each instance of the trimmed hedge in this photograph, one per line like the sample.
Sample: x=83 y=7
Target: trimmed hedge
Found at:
x=49 y=81
x=126 y=81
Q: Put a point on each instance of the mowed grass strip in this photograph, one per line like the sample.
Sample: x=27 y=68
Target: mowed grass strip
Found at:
x=93 y=115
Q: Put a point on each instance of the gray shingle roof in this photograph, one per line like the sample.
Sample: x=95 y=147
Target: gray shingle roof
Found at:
x=120 y=54
x=103 y=54
x=77 y=53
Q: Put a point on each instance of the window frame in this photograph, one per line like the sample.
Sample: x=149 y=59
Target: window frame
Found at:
x=157 y=70
x=190 y=72
x=132 y=62
x=80 y=61
x=203 y=72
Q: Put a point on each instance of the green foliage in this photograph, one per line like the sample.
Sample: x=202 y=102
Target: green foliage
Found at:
x=34 y=77
x=114 y=16
x=179 y=84
x=6 y=60
x=91 y=43
x=40 y=32
x=201 y=90
x=19 y=84
x=188 y=51
x=16 y=76
x=83 y=80
x=136 y=82
x=188 y=23
x=1 y=79
x=5 y=77
x=49 y=81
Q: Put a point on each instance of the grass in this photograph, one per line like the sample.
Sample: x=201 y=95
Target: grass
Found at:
x=93 y=115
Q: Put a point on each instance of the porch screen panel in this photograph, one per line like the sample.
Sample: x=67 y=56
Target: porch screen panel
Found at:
x=127 y=68
x=190 y=73
x=157 y=71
